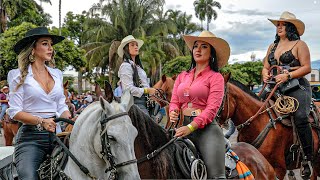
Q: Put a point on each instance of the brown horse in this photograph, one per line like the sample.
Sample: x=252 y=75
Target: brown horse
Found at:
x=10 y=129
x=166 y=85
x=240 y=104
x=163 y=166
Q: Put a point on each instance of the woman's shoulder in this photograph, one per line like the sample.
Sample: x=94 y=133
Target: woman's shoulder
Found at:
x=125 y=66
x=13 y=74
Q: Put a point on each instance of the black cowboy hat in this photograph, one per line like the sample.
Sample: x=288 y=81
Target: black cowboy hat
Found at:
x=34 y=34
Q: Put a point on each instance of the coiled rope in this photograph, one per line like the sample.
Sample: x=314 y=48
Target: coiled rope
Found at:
x=286 y=105
x=198 y=170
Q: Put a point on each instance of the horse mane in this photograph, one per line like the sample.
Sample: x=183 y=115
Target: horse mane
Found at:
x=244 y=88
x=153 y=137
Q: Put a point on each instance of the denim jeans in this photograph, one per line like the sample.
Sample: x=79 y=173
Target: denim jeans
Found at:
x=210 y=142
x=141 y=103
x=31 y=150
x=4 y=107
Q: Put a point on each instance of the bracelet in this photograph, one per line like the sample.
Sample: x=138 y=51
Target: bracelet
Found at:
x=191 y=127
x=40 y=121
x=145 y=90
x=289 y=76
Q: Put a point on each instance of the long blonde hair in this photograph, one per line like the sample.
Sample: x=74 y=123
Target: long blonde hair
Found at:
x=24 y=62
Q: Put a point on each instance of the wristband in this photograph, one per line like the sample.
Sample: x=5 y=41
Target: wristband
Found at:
x=289 y=76
x=191 y=127
x=145 y=90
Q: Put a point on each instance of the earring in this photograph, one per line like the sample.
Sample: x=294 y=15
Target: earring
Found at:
x=31 y=58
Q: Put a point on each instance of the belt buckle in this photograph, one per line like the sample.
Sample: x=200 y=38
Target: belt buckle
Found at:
x=195 y=112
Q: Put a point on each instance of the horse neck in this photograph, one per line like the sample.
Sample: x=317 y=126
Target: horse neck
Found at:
x=243 y=106
x=82 y=147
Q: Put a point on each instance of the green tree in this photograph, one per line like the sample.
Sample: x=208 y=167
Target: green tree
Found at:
x=248 y=73
x=8 y=8
x=200 y=7
x=177 y=65
x=210 y=12
x=30 y=11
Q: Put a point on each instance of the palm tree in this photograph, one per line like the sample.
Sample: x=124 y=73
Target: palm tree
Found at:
x=200 y=7
x=59 y=17
x=210 y=12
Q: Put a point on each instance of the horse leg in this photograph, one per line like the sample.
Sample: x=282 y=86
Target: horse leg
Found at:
x=8 y=136
x=291 y=175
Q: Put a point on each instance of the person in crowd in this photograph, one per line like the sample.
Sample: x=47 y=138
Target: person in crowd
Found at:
x=198 y=95
x=4 y=100
x=131 y=72
x=35 y=98
x=118 y=90
x=4 y=103
x=289 y=50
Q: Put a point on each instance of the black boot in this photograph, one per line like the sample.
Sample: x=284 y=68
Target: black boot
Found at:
x=306 y=169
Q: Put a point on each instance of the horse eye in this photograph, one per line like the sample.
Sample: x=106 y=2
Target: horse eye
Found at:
x=112 y=138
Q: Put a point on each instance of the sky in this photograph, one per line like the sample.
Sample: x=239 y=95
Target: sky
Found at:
x=242 y=23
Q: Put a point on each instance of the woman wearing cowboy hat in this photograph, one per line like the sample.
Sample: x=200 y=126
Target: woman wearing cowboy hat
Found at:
x=131 y=73
x=289 y=50
x=36 y=96
x=198 y=94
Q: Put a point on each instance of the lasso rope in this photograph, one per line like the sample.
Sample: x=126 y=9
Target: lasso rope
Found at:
x=198 y=170
x=286 y=105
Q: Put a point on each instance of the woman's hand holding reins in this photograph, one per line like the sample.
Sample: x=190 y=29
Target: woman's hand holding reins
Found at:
x=281 y=78
x=182 y=131
x=174 y=116
x=49 y=124
x=151 y=91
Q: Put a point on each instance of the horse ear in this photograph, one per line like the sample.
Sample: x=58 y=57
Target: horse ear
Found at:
x=163 y=78
x=174 y=77
x=108 y=91
x=127 y=100
x=226 y=76
x=98 y=90
x=105 y=105
x=65 y=85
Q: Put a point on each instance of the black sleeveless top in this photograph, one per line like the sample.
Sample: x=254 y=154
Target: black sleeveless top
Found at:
x=286 y=59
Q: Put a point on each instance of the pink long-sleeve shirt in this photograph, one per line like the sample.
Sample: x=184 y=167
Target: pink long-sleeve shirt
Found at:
x=205 y=92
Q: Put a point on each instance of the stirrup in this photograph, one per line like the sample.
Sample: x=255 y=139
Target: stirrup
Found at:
x=306 y=169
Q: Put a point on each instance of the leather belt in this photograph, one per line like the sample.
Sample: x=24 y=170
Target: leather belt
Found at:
x=191 y=112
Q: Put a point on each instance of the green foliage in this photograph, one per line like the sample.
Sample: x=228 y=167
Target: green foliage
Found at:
x=248 y=73
x=66 y=52
x=31 y=12
x=177 y=65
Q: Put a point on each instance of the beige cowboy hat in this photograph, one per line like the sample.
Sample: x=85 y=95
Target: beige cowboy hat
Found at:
x=220 y=45
x=4 y=87
x=127 y=40
x=290 y=17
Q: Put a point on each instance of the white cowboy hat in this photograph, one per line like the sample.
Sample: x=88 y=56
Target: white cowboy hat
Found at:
x=220 y=45
x=4 y=87
x=127 y=40
x=290 y=17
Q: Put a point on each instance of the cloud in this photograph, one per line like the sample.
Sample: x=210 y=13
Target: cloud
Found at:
x=251 y=12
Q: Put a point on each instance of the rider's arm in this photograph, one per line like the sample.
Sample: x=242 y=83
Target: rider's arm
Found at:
x=304 y=59
x=266 y=65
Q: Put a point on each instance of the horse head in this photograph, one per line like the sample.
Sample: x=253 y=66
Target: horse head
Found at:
x=167 y=85
x=103 y=136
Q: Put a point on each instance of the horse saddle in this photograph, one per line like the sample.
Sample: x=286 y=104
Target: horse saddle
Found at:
x=55 y=163
x=186 y=153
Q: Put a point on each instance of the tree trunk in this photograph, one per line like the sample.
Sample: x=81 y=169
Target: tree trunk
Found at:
x=80 y=81
x=207 y=25
x=59 y=17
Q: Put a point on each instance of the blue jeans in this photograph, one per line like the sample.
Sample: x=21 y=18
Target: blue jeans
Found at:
x=31 y=150
x=4 y=107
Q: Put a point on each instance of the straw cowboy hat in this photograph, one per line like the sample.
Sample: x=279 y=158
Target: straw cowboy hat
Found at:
x=127 y=40
x=289 y=17
x=4 y=87
x=221 y=46
x=34 y=34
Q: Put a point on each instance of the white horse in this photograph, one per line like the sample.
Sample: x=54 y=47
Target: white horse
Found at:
x=85 y=140
x=86 y=145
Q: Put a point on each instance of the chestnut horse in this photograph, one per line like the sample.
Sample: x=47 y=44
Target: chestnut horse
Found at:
x=10 y=129
x=240 y=104
x=163 y=166
x=166 y=85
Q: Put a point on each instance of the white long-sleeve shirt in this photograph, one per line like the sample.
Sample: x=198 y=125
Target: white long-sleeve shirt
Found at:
x=31 y=98
x=125 y=74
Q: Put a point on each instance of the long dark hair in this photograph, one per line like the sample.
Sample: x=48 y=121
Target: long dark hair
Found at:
x=126 y=58
x=213 y=61
x=291 y=33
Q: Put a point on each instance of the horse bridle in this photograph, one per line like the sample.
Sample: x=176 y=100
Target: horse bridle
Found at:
x=218 y=116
